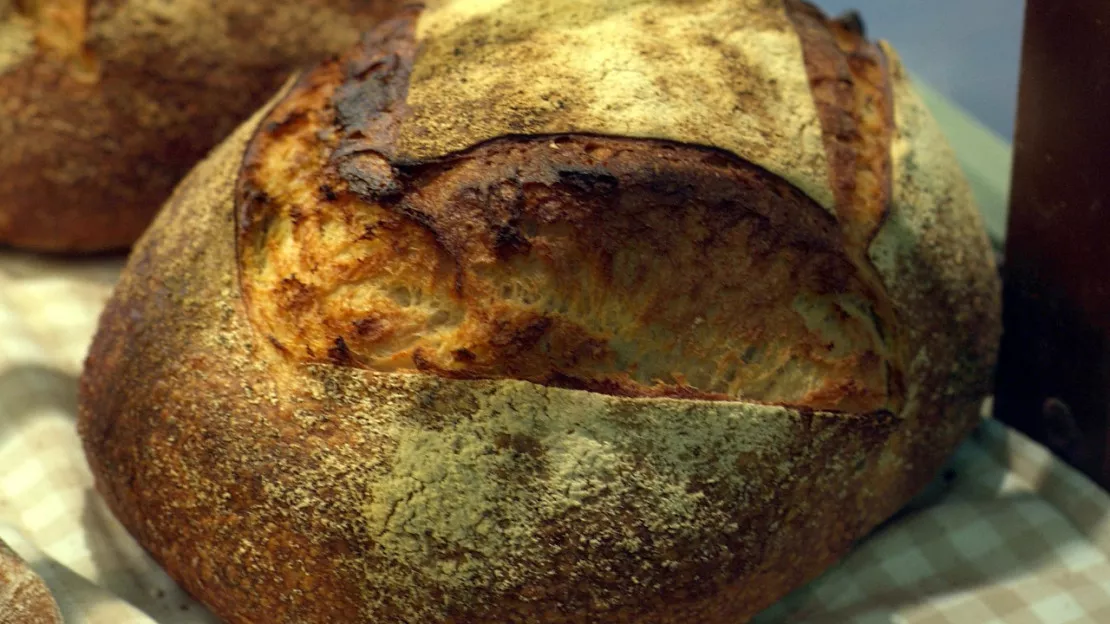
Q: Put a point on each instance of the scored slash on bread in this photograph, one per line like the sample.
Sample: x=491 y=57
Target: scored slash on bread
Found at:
x=441 y=336
x=519 y=258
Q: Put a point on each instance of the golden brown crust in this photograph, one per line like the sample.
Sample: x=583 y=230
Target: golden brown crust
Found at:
x=851 y=87
x=283 y=475
x=24 y=598
x=117 y=100
x=569 y=260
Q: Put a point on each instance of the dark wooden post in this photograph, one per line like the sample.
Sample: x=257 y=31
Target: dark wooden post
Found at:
x=1054 y=369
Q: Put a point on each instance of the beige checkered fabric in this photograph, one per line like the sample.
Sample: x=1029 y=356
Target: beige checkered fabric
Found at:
x=49 y=511
x=1007 y=535
x=1015 y=538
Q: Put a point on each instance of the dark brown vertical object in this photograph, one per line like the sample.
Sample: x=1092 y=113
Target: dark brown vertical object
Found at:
x=1054 y=371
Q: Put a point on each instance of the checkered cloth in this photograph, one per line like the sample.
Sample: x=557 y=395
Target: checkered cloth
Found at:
x=49 y=512
x=1006 y=534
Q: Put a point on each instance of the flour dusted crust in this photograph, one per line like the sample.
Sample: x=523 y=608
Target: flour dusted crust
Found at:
x=696 y=72
x=549 y=376
x=24 y=598
x=106 y=104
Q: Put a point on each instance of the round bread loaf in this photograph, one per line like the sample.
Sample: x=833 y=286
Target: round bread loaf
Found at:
x=564 y=311
x=24 y=597
x=106 y=104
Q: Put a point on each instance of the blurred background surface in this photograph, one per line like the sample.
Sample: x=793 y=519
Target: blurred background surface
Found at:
x=968 y=50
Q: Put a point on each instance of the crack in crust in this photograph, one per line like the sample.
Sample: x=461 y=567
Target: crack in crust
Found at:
x=625 y=266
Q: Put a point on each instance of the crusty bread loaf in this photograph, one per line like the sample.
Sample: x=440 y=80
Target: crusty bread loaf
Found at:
x=24 y=597
x=563 y=311
x=106 y=104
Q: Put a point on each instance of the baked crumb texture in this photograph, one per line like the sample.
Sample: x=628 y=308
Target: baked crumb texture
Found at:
x=468 y=327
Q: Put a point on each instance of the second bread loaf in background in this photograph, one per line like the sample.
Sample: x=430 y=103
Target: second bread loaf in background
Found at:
x=106 y=104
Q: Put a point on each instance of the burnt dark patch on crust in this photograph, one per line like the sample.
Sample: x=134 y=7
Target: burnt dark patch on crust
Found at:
x=852 y=22
x=339 y=353
x=369 y=328
x=369 y=176
x=370 y=101
x=593 y=183
x=509 y=240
